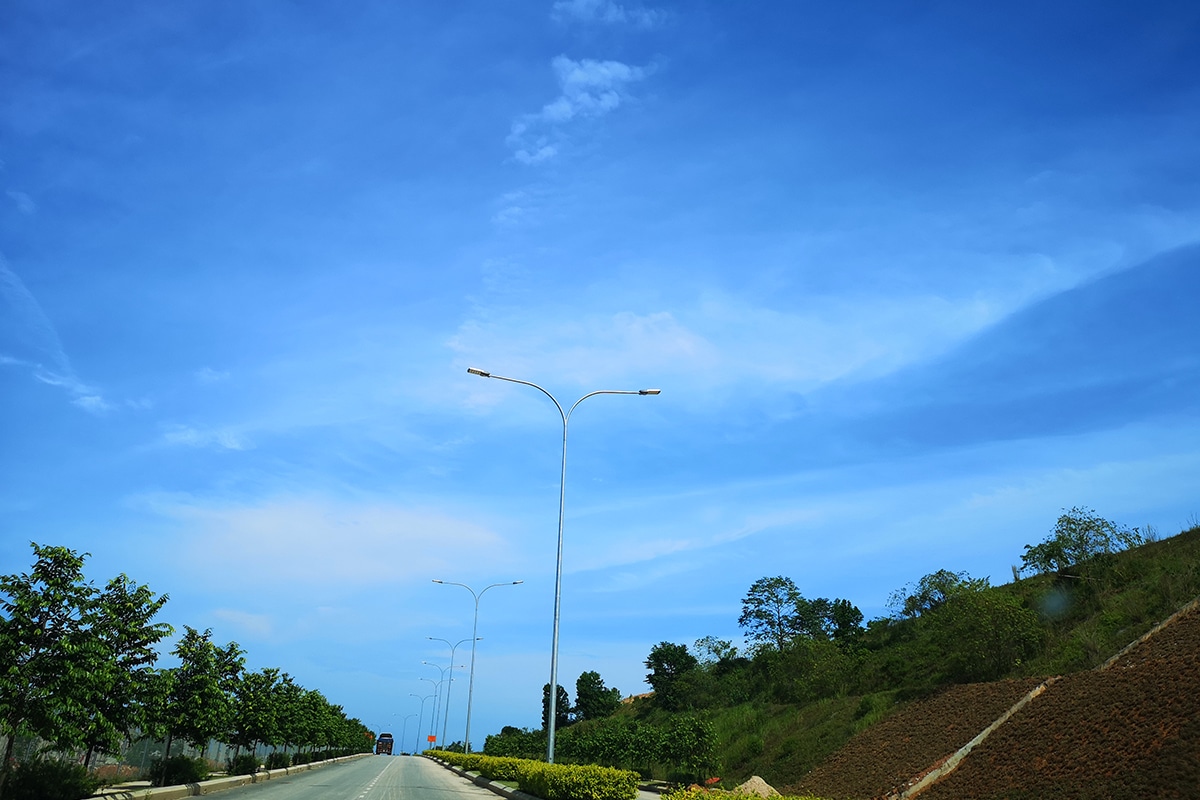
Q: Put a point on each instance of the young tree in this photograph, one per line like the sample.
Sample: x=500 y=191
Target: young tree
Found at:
x=1078 y=535
x=669 y=666
x=256 y=709
x=122 y=661
x=769 y=612
x=593 y=700
x=197 y=701
x=44 y=649
x=562 y=708
x=932 y=591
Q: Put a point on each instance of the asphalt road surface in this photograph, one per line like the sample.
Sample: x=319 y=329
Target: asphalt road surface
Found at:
x=374 y=778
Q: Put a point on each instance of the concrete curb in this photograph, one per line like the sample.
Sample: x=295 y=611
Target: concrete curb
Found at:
x=217 y=784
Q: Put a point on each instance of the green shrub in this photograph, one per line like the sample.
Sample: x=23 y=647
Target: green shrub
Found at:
x=302 y=758
x=569 y=782
x=243 y=764
x=47 y=779
x=279 y=760
x=179 y=770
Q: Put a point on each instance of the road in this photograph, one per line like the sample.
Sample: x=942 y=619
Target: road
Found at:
x=375 y=778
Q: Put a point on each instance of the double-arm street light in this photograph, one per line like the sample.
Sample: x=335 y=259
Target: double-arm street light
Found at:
x=420 y=720
x=445 y=711
x=562 y=496
x=474 y=638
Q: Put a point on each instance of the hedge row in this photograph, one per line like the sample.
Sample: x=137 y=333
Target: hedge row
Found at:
x=549 y=781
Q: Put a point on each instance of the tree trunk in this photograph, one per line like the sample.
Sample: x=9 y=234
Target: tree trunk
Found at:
x=8 y=750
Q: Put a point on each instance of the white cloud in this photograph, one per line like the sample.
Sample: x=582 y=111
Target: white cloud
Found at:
x=717 y=344
x=305 y=541
x=256 y=624
x=222 y=438
x=23 y=202
x=93 y=403
x=208 y=375
x=606 y=12
x=27 y=331
x=590 y=89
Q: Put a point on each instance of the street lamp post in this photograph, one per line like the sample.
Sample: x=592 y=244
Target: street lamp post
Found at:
x=474 y=638
x=450 y=683
x=405 y=731
x=562 y=496
x=417 y=740
x=437 y=698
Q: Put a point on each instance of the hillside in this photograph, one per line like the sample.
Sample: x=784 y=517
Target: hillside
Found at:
x=1130 y=730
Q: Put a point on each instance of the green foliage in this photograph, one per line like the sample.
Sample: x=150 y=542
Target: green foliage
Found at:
x=775 y=614
x=178 y=770
x=562 y=708
x=932 y=591
x=593 y=700
x=984 y=635
x=48 y=779
x=549 y=781
x=569 y=782
x=513 y=742
x=1080 y=534
x=669 y=664
x=242 y=764
x=77 y=660
x=279 y=760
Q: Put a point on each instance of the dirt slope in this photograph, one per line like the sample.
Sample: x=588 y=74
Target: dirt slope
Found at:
x=885 y=756
x=1131 y=731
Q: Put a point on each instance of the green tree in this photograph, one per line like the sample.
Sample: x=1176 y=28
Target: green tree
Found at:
x=669 y=666
x=931 y=592
x=256 y=709
x=45 y=650
x=593 y=700
x=196 y=703
x=121 y=665
x=562 y=708
x=984 y=635
x=769 y=612
x=1079 y=534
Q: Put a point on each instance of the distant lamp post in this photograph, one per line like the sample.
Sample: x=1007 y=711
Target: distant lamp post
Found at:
x=450 y=683
x=405 y=732
x=474 y=638
x=417 y=740
x=562 y=496
x=437 y=698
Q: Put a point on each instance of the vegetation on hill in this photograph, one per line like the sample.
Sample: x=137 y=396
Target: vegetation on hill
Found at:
x=814 y=675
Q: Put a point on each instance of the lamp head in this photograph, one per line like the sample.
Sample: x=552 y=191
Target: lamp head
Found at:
x=650 y=391
x=479 y=372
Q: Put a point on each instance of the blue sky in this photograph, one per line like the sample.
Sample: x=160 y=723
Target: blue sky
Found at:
x=912 y=277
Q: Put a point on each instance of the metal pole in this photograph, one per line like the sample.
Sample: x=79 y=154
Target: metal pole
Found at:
x=474 y=639
x=562 y=498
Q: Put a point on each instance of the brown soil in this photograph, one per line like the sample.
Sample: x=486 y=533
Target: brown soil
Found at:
x=1131 y=731
x=887 y=755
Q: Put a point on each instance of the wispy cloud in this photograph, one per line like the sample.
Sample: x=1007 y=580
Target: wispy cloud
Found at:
x=221 y=438
x=256 y=624
x=206 y=375
x=590 y=89
x=607 y=12
x=23 y=202
x=28 y=339
x=718 y=341
x=304 y=542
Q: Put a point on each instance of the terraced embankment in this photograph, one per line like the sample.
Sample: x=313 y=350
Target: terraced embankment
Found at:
x=1129 y=730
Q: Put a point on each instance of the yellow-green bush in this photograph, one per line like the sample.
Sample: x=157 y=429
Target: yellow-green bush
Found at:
x=549 y=781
